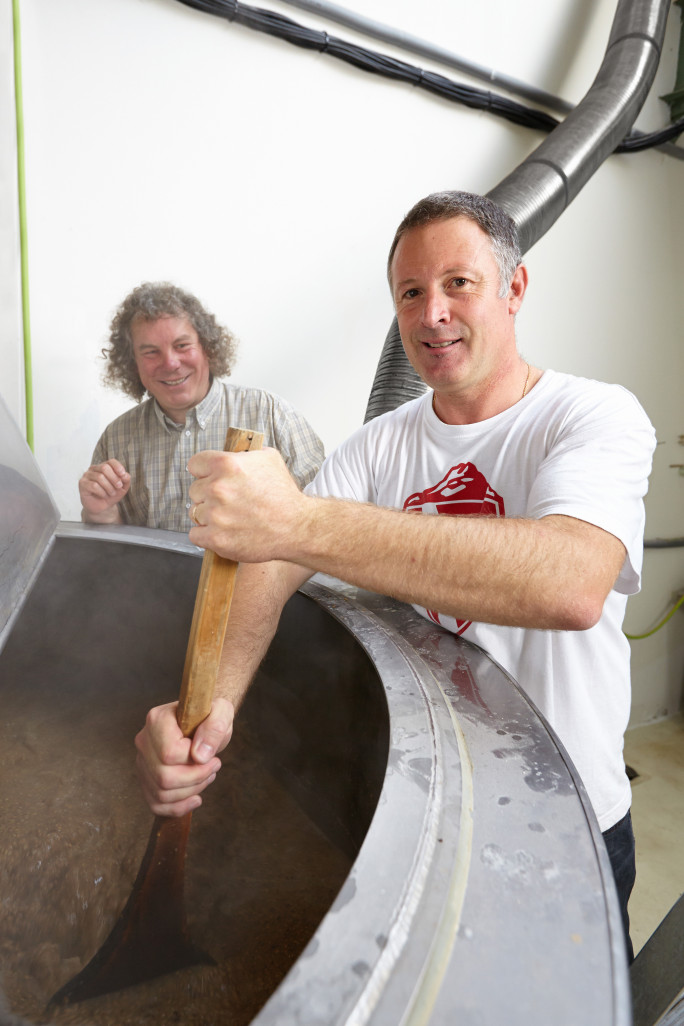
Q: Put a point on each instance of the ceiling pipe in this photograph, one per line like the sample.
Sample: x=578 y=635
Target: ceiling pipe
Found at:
x=537 y=192
x=406 y=41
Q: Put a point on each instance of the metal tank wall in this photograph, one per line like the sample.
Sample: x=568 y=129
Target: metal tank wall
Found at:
x=456 y=845
x=474 y=852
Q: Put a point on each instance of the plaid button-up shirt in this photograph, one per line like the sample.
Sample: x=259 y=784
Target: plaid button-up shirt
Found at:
x=155 y=450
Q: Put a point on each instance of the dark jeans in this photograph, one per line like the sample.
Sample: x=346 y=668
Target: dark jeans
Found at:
x=620 y=844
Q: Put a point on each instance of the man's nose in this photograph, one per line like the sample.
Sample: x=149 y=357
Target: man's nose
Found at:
x=171 y=358
x=435 y=308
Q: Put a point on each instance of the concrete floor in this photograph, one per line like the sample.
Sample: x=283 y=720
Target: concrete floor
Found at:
x=656 y=752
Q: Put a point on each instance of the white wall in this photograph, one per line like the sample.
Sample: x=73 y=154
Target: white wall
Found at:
x=164 y=143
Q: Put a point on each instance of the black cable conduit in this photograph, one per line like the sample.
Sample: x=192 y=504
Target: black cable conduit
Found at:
x=281 y=27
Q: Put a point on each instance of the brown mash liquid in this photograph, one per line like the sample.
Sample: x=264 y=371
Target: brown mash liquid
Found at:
x=73 y=830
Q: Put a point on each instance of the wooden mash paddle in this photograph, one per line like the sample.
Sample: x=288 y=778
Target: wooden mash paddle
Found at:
x=150 y=937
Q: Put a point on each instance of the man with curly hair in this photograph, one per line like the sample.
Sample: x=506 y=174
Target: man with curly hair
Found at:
x=163 y=343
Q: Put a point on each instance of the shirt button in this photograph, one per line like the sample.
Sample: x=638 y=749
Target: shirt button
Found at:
x=187 y=505
x=187 y=434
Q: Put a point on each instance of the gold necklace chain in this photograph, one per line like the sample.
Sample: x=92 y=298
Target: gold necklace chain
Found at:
x=524 y=392
x=526 y=381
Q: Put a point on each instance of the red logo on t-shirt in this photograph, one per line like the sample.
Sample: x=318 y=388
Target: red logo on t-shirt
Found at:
x=463 y=491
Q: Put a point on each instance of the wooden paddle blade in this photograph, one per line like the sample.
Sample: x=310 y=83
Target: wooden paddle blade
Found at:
x=150 y=937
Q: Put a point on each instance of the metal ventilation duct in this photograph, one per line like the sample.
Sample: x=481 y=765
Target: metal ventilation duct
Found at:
x=537 y=192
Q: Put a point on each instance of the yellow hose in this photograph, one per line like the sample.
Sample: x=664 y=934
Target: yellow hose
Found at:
x=638 y=637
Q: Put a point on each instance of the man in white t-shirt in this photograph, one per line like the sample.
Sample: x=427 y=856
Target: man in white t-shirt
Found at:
x=541 y=476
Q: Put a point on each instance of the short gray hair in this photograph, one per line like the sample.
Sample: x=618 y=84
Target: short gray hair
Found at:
x=489 y=216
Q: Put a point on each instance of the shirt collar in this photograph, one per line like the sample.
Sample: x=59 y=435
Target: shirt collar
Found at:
x=204 y=410
x=200 y=413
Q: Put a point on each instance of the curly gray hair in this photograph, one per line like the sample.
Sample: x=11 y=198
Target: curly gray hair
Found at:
x=149 y=302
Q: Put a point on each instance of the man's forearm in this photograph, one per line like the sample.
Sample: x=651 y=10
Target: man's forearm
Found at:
x=552 y=573
x=261 y=591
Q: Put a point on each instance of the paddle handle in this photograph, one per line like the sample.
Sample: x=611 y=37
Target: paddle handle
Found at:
x=210 y=617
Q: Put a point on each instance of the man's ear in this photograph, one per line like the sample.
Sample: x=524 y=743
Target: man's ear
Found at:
x=517 y=289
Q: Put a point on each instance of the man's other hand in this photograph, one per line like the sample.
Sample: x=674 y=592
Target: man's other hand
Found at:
x=101 y=488
x=173 y=770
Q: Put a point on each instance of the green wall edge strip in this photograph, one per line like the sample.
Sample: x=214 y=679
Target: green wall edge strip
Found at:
x=23 y=235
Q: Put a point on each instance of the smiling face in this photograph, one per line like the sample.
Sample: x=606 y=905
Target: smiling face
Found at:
x=457 y=331
x=172 y=363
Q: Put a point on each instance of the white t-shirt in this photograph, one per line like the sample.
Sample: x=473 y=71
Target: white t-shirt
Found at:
x=572 y=446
